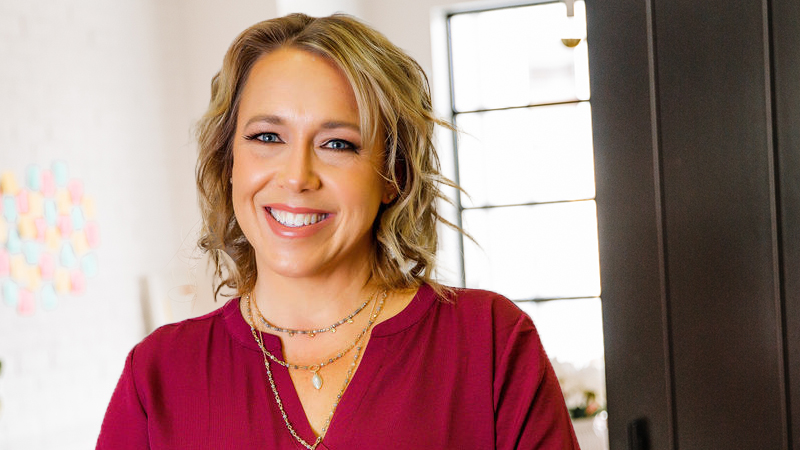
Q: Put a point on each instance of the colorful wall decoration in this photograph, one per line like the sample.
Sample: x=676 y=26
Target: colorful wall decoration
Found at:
x=48 y=234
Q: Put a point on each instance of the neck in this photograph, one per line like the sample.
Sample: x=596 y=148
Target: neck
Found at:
x=306 y=303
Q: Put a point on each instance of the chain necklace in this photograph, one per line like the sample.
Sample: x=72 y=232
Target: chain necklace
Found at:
x=311 y=333
x=317 y=380
x=267 y=356
x=280 y=403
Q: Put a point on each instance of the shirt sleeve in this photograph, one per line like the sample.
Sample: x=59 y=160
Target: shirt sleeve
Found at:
x=125 y=423
x=530 y=412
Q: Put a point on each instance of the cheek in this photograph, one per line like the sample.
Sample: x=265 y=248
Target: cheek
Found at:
x=240 y=167
x=237 y=199
x=245 y=182
x=369 y=196
x=247 y=174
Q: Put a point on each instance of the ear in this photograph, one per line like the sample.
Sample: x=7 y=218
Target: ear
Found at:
x=389 y=194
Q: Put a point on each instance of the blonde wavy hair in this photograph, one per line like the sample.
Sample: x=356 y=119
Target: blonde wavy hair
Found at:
x=394 y=102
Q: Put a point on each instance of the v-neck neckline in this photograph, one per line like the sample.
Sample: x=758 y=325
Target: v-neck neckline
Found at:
x=371 y=363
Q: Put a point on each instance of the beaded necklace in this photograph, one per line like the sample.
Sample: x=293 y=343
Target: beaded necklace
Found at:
x=317 y=380
x=311 y=333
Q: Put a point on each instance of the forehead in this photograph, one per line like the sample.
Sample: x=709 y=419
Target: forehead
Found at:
x=298 y=83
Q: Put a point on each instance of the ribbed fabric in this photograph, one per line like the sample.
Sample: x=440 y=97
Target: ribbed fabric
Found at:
x=466 y=374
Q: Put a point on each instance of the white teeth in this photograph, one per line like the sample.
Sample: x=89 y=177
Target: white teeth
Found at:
x=295 y=220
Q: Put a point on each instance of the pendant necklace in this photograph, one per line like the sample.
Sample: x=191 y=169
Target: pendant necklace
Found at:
x=268 y=356
x=316 y=379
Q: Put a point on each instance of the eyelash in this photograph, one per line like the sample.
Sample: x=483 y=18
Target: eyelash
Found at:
x=348 y=146
x=257 y=137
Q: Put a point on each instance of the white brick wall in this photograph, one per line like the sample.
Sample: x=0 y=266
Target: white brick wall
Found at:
x=79 y=83
x=111 y=88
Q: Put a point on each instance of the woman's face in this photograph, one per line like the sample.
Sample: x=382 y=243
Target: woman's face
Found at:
x=306 y=189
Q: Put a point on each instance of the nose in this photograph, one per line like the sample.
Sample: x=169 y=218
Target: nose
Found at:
x=298 y=171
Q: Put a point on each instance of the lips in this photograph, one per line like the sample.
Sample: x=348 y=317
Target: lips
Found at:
x=292 y=222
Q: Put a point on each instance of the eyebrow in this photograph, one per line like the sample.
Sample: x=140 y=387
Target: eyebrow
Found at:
x=329 y=125
x=333 y=124
x=275 y=120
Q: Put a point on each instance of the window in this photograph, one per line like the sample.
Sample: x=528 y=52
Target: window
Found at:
x=519 y=96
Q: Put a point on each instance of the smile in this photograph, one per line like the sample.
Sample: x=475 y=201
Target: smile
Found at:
x=293 y=220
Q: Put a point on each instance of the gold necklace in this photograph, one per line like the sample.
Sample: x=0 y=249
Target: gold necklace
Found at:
x=317 y=380
x=280 y=403
x=311 y=333
x=274 y=388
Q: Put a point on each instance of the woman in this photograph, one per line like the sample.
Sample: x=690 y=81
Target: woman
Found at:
x=317 y=175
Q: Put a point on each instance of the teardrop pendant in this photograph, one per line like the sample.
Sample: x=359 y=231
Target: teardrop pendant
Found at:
x=316 y=380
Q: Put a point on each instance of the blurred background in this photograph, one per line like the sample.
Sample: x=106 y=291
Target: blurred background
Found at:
x=99 y=218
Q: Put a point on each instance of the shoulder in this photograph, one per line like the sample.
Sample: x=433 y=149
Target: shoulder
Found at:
x=486 y=320
x=175 y=356
x=487 y=306
x=508 y=328
x=175 y=339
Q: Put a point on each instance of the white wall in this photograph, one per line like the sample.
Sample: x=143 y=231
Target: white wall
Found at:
x=113 y=89
x=80 y=84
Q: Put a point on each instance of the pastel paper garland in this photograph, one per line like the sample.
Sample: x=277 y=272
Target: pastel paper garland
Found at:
x=48 y=238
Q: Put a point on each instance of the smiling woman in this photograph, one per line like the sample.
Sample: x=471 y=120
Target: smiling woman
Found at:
x=317 y=174
x=305 y=189
x=392 y=114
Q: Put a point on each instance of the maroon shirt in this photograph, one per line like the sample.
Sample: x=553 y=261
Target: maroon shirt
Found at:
x=469 y=374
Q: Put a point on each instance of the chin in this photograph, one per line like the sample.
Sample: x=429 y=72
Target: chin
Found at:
x=291 y=269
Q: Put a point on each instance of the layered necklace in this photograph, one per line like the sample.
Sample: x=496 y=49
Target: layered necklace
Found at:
x=316 y=379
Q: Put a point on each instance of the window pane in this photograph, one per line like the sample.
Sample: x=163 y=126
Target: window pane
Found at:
x=515 y=56
x=572 y=335
x=526 y=155
x=543 y=251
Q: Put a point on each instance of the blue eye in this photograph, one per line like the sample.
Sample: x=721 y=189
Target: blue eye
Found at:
x=339 y=145
x=269 y=138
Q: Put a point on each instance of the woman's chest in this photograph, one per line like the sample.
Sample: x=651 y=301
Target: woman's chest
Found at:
x=398 y=398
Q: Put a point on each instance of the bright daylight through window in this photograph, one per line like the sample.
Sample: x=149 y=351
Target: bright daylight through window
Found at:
x=520 y=99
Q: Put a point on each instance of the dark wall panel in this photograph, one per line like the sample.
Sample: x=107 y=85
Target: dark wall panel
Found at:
x=786 y=64
x=696 y=116
x=636 y=379
x=716 y=153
